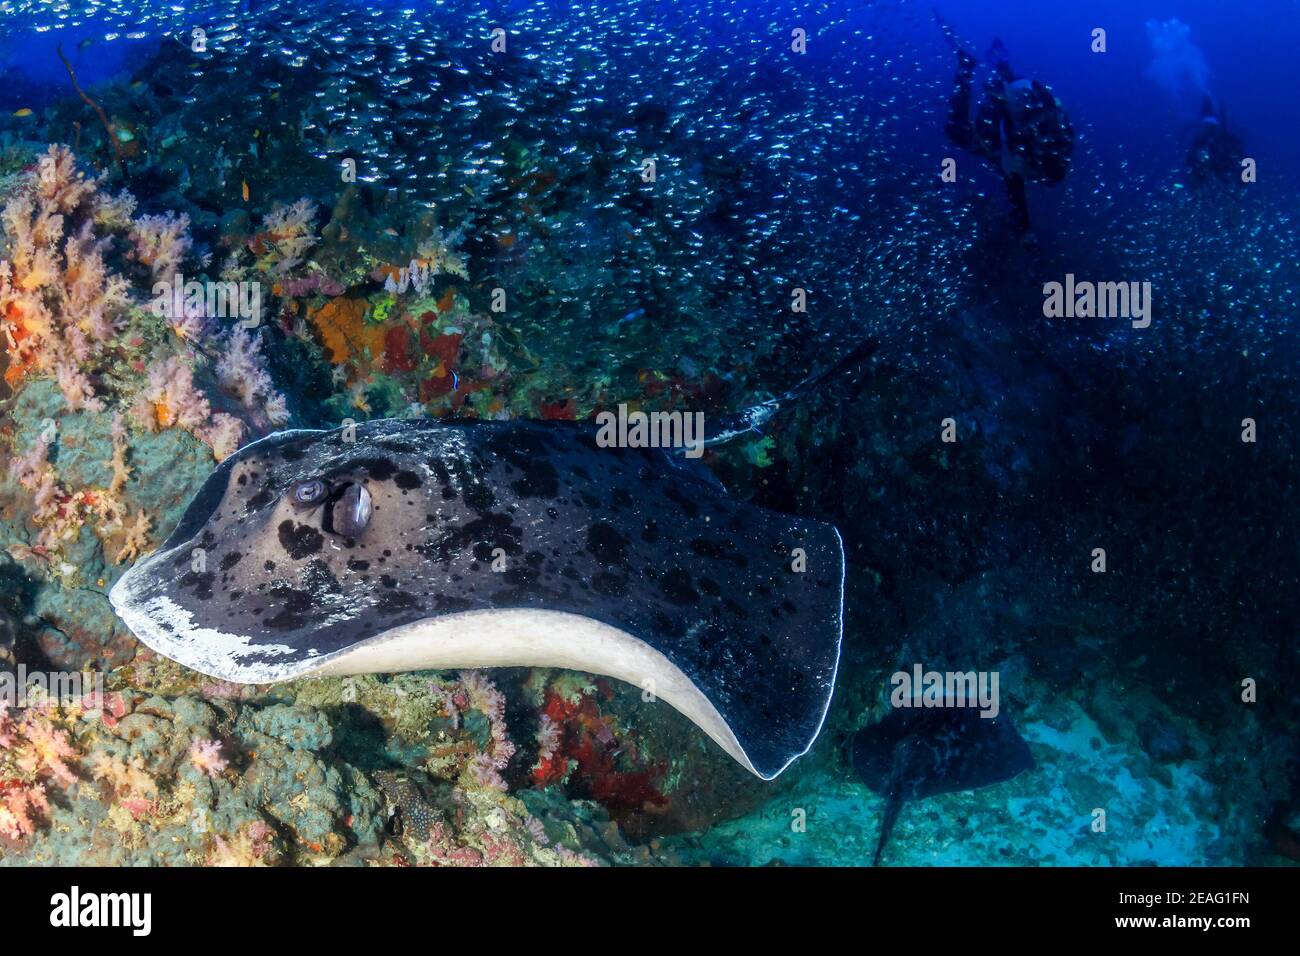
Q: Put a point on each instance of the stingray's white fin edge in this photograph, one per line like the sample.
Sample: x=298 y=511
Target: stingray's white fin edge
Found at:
x=534 y=638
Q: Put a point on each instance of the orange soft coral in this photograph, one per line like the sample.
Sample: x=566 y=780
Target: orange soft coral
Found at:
x=33 y=753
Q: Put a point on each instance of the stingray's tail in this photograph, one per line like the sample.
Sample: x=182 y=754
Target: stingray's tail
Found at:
x=893 y=804
x=752 y=419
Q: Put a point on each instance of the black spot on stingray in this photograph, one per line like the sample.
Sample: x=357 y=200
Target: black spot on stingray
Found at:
x=260 y=500
x=534 y=559
x=200 y=582
x=379 y=469
x=396 y=445
x=428 y=550
x=650 y=533
x=293 y=452
x=676 y=585
x=529 y=452
x=228 y=561
x=235 y=596
x=407 y=480
x=447 y=602
x=388 y=580
x=540 y=480
x=481 y=535
x=479 y=497
x=356 y=564
x=292 y=607
x=469 y=476
x=718 y=551
x=521 y=576
x=241 y=480
x=689 y=507
x=299 y=540
x=393 y=602
x=552 y=513
x=268 y=565
x=609 y=584
x=319 y=579
x=605 y=544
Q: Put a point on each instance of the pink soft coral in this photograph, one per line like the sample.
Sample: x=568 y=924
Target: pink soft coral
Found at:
x=287 y=232
x=45 y=750
x=170 y=398
x=482 y=695
x=20 y=807
x=57 y=294
x=548 y=738
x=161 y=242
x=33 y=751
x=61 y=306
x=206 y=756
x=241 y=373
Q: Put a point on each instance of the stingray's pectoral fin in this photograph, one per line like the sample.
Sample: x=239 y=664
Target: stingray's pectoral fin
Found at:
x=763 y=724
x=770 y=673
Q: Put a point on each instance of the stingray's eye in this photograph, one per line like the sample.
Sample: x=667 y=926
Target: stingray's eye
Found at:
x=352 y=511
x=309 y=492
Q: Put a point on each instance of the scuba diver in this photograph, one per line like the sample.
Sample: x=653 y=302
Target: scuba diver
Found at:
x=1020 y=127
x=1216 y=152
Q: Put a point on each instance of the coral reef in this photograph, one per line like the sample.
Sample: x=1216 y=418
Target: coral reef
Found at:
x=34 y=753
x=167 y=770
x=110 y=395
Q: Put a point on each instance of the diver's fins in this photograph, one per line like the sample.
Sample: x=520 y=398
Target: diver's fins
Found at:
x=998 y=55
x=961 y=49
x=948 y=32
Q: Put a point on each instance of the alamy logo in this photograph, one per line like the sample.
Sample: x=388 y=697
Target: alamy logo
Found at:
x=652 y=430
x=24 y=688
x=922 y=688
x=225 y=300
x=75 y=908
x=1099 y=300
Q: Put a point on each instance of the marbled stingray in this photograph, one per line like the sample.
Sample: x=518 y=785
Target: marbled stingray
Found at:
x=403 y=545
